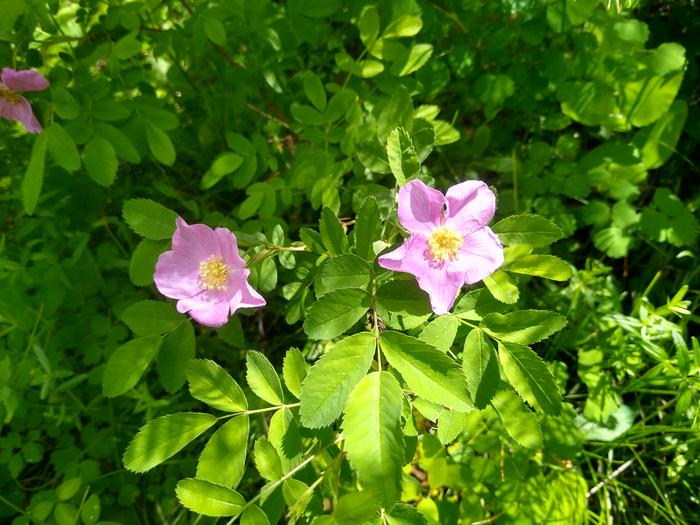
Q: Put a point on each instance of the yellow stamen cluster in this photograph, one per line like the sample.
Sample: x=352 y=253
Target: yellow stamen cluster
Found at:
x=10 y=95
x=213 y=273
x=444 y=244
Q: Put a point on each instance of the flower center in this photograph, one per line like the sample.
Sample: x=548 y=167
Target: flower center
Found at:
x=9 y=95
x=213 y=273
x=444 y=244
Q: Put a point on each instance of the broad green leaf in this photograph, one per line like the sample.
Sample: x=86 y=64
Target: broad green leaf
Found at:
x=480 y=366
x=62 y=148
x=101 y=161
x=121 y=143
x=502 y=287
x=398 y=113
x=223 y=459
x=520 y=423
x=427 y=371
x=127 y=46
x=523 y=326
x=215 y=30
x=34 y=176
x=314 y=90
x=423 y=138
x=285 y=436
x=667 y=58
x=368 y=24
x=404 y=297
x=403 y=26
x=160 y=145
x=211 y=384
x=162 y=438
x=267 y=461
x=65 y=104
x=445 y=133
x=650 y=98
x=339 y=104
x=294 y=371
x=91 y=510
x=658 y=142
x=177 y=350
x=440 y=332
x=356 y=507
x=127 y=364
x=151 y=317
x=364 y=69
x=263 y=379
x=209 y=499
x=530 y=377
x=142 y=264
x=149 y=219
x=344 y=271
x=368 y=227
x=332 y=378
x=547 y=266
x=527 y=229
x=223 y=165
x=336 y=312
x=299 y=496
x=418 y=56
x=65 y=513
x=332 y=233
x=254 y=515
x=307 y=115
x=403 y=514
x=402 y=156
x=450 y=425
x=373 y=438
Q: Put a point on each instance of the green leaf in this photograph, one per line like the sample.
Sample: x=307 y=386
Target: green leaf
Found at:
x=403 y=26
x=142 y=264
x=364 y=69
x=397 y=113
x=121 y=143
x=523 y=326
x=149 y=219
x=368 y=24
x=403 y=514
x=427 y=371
x=215 y=30
x=211 y=384
x=177 y=350
x=373 y=438
x=344 y=271
x=520 y=423
x=223 y=459
x=262 y=378
x=527 y=229
x=314 y=90
x=418 y=56
x=530 y=377
x=65 y=104
x=127 y=364
x=127 y=46
x=254 y=515
x=160 y=145
x=223 y=165
x=209 y=499
x=294 y=371
x=368 y=227
x=151 y=317
x=285 y=436
x=356 y=507
x=667 y=58
x=162 y=438
x=332 y=378
x=267 y=461
x=336 y=312
x=658 y=142
x=332 y=233
x=100 y=161
x=440 y=332
x=402 y=156
x=501 y=287
x=34 y=176
x=480 y=367
x=450 y=425
x=307 y=115
x=62 y=148
x=445 y=133
x=547 y=266
x=91 y=510
x=651 y=98
x=423 y=138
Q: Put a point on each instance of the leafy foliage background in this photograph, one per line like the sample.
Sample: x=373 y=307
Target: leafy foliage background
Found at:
x=291 y=123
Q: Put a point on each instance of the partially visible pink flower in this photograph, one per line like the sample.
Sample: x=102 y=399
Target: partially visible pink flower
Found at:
x=450 y=244
x=12 y=105
x=205 y=274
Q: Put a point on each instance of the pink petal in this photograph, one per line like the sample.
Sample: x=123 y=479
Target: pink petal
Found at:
x=480 y=256
x=21 y=112
x=207 y=308
x=26 y=80
x=441 y=281
x=177 y=275
x=420 y=207
x=229 y=248
x=197 y=241
x=470 y=206
x=244 y=295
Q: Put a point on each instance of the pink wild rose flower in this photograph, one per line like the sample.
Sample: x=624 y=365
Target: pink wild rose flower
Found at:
x=205 y=274
x=450 y=244
x=13 y=106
